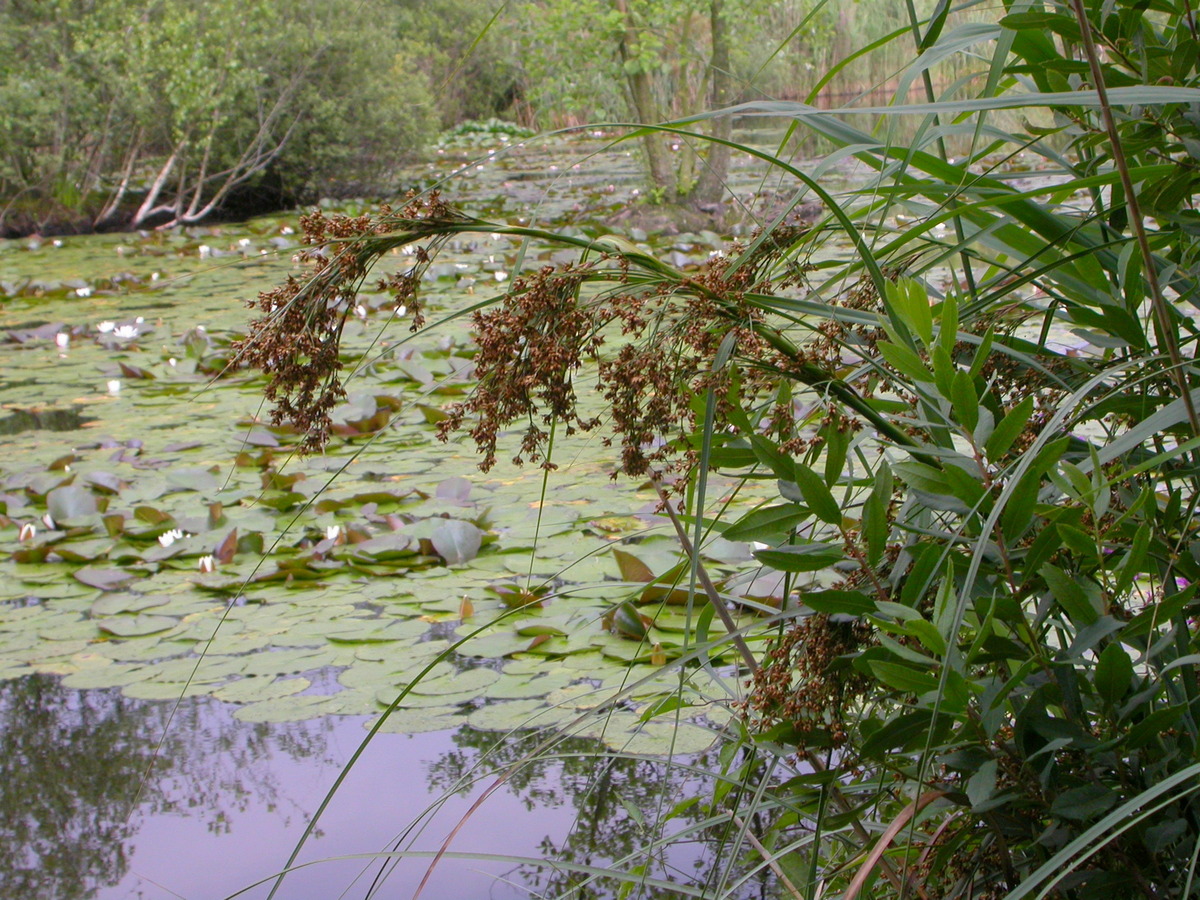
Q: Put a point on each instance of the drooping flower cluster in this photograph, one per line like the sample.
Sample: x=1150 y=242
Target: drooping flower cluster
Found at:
x=295 y=342
x=675 y=333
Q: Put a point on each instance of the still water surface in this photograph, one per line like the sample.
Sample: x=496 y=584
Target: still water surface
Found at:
x=226 y=802
x=109 y=797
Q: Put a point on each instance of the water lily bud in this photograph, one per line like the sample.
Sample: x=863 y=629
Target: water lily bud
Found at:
x=333 y=532
x=48 y=521
x=28 y=532
x=62 y=339
x=208 y=564
x=114 y=386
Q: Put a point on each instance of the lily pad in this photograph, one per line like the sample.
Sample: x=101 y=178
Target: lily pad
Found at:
x=419 y=721
x=250 y=690
x=472 y=681
x=138 y=625
x=295 y=708
x=69 y=502
x=456 y=541
x=104 y=579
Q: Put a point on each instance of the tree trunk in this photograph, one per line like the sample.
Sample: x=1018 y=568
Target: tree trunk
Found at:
x=711 y=185
x=641 y=97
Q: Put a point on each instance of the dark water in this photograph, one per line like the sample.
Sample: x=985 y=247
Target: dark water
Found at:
x=95 y=802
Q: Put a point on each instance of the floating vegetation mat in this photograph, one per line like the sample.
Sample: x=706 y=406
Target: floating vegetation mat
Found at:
x=158 y=537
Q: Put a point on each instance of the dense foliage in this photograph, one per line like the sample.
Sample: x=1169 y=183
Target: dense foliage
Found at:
x=162 y=111
x=981 y=421
x=132 y=114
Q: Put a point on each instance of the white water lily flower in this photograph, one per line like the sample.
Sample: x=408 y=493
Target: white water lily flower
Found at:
x=126 y=332
x=204 y=251
x=114 y=386
x=166 y=539
x=83 y=292
x=28 y=532
x=208 y=564
x=106 y=327
x=62 y=339
x=333 y=532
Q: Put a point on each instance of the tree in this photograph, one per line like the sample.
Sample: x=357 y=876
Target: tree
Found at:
x=671 y=59
x=157 y=112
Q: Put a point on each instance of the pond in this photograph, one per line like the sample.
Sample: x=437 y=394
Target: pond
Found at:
x=197 y=626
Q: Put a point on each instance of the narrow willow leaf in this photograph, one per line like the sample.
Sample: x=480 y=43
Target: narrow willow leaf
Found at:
x=875 y=524
x=801 y=557
x=910 y=300
x=768 y=453
x=851 y=603
x=837 y=445
x=964 y=400
x=767 y=524
x=1114 y=672
x=904 y=678
x=905 y=361
x=948 y=326
x=1134 y=560
x=1023 y=497
x=817 y=495
x=1008 y=429
x=1069 y=595
x=982 y=353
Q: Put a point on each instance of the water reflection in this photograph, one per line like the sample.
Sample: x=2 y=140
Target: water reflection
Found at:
x=227 y=801
x=70 y=763
x=77 y=782
x=623 y=811
x=21 y=420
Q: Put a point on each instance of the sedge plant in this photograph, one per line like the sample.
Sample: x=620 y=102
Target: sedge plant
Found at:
x=971 y=387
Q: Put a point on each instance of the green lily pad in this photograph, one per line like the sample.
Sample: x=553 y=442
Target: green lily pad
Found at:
x=112 y=604
x=138 y=625
x=110 y=676
x=168 y=690
x=472 y=681
x=69 y=502
x=512 y=715
x=104 y=579
x=295 y=708
x=250 y=690
x=419 y=721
